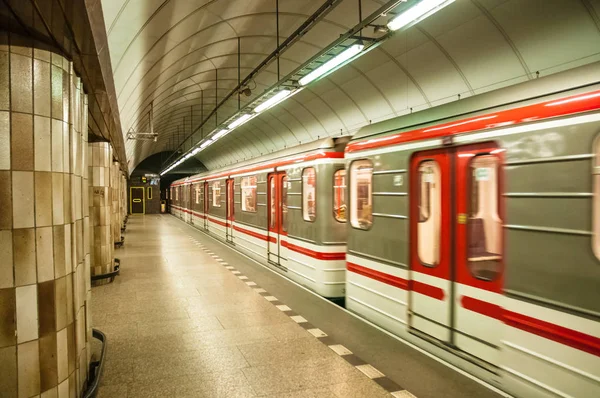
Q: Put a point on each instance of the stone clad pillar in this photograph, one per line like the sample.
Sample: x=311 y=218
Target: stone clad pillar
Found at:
x=101 y=240
x=115 y=193
x=44 y=297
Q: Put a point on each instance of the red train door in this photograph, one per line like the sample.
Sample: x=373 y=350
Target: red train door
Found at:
x=205 y=204
x=430 y=294
x=457 y=245
x=229 y=192
x=277 y=216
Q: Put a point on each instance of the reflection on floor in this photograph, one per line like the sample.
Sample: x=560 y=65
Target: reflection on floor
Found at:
x=180 y=324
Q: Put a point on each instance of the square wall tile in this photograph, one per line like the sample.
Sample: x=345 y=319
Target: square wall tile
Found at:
x=43 y=198
x=44 y=254
x=58 y=234
x=28 y=364
x=22 y=199
x=63 y=389
x=4 y=140
x=60 y=302
x=57 y=145
x=62 y=355
x=24 y=256
x=51 y=393
x=41 y=88
x=22 y=141
x=58 y=191
x=4 y=81
x=21 y=83
x=7 y=314
x=67 y=198
x=6 y=219
x=47 y=308
x=70 y=314
x=48 y=362
x=66 y=148
x=42 y=138
x=72 y=352
x=6 y=254
x=8 y=372
x=57 y=92
x=27 y=313
x=68 y=246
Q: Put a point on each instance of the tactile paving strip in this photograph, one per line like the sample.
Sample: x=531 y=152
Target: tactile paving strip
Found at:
x=368 y=370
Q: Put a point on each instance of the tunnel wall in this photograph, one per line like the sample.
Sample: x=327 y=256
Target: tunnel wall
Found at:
x=44 y=293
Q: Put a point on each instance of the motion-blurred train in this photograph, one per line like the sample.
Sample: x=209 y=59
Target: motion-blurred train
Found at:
x=469 y=229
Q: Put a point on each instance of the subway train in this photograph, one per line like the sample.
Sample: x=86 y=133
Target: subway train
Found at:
x=468 y=229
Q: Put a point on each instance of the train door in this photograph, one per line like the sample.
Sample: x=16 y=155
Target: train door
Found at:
x=229 y=204
x=456 y=254
x=205 y=204
x=277 y=217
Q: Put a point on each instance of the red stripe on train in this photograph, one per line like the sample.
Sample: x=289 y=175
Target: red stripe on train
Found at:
x=312 y=253
x=378 y=276
x=550 y=331
x=545 y=110
x=255 y=234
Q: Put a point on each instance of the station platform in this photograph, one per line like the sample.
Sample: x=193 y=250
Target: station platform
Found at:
x=191 y=317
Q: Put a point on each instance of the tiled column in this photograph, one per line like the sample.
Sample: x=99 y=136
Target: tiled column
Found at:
x=43 y=294
x=123 y=201
x=101 y=240
x=115 y=193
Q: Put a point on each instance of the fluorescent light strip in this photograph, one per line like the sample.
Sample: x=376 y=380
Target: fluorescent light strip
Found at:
x=331 y=64
x=417 y=13
x=239 y=121
x=220 y=134
x=206 y=143
x=274 y=100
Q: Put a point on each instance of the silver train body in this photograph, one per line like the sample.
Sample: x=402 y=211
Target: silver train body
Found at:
x=472 y=232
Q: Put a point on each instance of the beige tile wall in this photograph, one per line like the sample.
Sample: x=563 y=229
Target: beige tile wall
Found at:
x=100 y=194
x=44 y=247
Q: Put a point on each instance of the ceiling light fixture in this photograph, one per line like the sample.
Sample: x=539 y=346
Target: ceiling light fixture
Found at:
x=417 y=13
x=331 y=64
x=220 y=134
x=239 y=121
x=274 y=100
x=206 y=143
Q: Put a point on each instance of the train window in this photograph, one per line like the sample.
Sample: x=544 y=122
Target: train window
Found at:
x=216 y=194
x=249 y=194
x=361 y=194
x=309 y=194
x=484 y=226
x=284 y=207
x=596 y=201
x=339 y=198
x=430 y=213
x=197 y=194
x=177 y=193
x=273 y=202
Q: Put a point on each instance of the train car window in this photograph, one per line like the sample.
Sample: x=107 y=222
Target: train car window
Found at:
x=284 y=205
x=249 y=194
x=361 y=194
x=197 y=194
x=596 y=201
x=484 y=226
x=339 y=198
x=273 y=201
x=177 y=193
x=309 y=194
x=216 y=194
x=430 y=213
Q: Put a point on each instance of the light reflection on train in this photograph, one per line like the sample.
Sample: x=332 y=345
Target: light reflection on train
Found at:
x=470 y=236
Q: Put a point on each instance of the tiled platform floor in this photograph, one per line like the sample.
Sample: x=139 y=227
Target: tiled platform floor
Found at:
x=179 y=324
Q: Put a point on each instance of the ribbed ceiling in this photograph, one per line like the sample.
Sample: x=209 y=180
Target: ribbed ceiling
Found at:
x=183 y=56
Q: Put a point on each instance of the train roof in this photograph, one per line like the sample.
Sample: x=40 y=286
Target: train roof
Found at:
x=330 y=144
x=553 y=85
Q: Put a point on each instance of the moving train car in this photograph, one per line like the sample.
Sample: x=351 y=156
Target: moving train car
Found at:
x=473 y=233
x=286 y=210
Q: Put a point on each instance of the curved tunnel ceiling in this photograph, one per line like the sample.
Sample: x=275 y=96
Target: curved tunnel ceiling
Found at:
x=183 y=57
